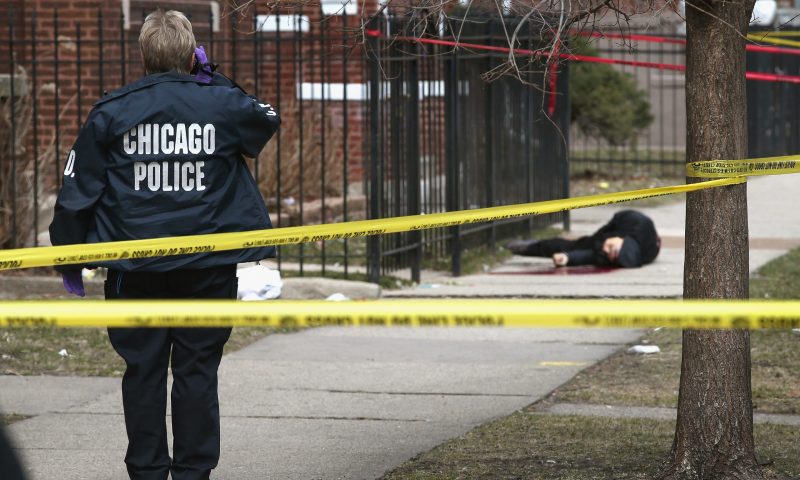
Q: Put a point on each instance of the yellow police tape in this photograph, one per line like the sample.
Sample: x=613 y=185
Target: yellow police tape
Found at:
x=777 y=33
x=770 y=38
x=406 y=313
x=157 y=247
x=745 y=167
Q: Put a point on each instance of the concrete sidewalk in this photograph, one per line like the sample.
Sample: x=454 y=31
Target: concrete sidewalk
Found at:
x=323 y=403
x=353 y=403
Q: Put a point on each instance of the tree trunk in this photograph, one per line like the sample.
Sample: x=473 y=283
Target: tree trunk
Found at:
x=714 y=433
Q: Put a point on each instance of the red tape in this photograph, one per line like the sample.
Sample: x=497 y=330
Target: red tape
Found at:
x=758 y=76
x=681 y=41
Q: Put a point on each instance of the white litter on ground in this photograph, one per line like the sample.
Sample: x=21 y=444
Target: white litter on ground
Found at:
x=337 y=297
x=644 y=349
x=258 y=283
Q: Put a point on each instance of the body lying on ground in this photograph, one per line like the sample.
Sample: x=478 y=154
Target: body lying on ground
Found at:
x=629 y=240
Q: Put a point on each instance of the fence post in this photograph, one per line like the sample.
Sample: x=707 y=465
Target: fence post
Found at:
x=345 y=137
x=35 y=123
x=412 y=159
x=452 y=158
x=563 y=113
x=100 y=45
x=488 y=148
x=56 y=116
x=374 y=242
x=13 y=151
x=392 y=174
x=79 y=62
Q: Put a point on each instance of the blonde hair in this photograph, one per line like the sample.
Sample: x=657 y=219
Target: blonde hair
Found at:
x=167 y=42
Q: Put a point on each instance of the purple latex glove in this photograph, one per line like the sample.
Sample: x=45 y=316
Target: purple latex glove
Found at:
x=73 y=283
x=203 y=69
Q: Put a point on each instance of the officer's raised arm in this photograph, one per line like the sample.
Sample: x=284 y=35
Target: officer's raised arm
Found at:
x=256 y=122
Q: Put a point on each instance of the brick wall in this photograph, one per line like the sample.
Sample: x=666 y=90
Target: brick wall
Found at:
x=74 y=50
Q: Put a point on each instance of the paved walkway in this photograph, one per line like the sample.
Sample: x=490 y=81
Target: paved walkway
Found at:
x=352 y=403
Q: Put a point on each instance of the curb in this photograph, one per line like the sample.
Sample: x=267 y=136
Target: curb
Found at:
x=308 y=288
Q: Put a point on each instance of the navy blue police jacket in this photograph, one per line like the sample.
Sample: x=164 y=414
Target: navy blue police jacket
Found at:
x=164 y=157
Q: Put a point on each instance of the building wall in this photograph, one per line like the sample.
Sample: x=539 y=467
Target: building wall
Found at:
x=75 y=50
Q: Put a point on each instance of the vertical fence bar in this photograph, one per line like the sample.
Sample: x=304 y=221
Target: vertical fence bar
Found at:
x=233 y=51
x=452 y=157
x=488 y=145
x=395 y=69
x=661 y=137
x=57 y=117
x=210 y=52
x=675 y=124
x=256 y=76
x=35 y=122
x=412 y=159
x=301 y=122
x=278 y=58
x=79 y=42
x=565 y=167
x=433 y=158
x=441 y=146
x=345 y=136
x=12 y=100
x=322 y=125
x=100 y=66
x=529 y=107
x=123 y=47
x=375 y=174
x=256 y=53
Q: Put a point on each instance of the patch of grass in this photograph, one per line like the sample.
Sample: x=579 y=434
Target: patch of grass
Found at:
x=652 y=380
x=35 y=351
x=628 y=162
x=473 y=260
x=779 y=279
x=544 y=447
x=625 y=379
x=10 y=418
x=590 y=183
x=334 y=252
x=628 y=153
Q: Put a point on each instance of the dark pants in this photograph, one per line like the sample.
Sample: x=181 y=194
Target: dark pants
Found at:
x=195 y=354
x=9 y=465
x=550 y=246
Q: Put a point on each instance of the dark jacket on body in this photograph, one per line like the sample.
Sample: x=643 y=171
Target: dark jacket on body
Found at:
x=163 y=157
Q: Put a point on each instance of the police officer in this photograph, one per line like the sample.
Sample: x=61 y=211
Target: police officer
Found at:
x=163 y=157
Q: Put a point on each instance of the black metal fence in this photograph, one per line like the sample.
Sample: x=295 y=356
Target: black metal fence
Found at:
x=393 y=129
x=773 y=119
x=443 y=139
x=660 y=149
